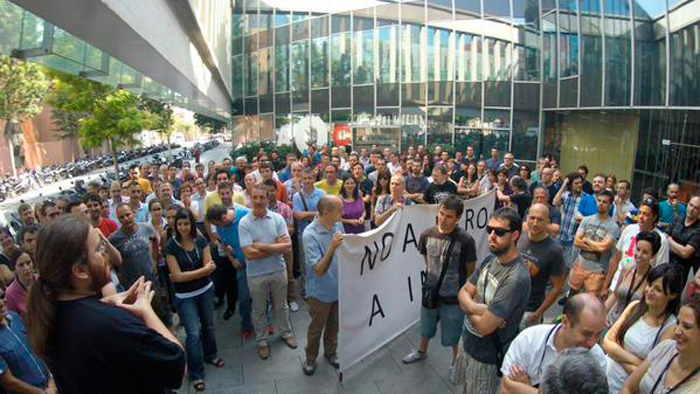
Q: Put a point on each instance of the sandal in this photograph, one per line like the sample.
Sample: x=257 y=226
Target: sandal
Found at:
x=217 y=362
x=199 y=385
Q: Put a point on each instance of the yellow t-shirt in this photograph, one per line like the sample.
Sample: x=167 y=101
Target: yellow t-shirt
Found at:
x=144 y=183
x=214 y=199
x=334 y=190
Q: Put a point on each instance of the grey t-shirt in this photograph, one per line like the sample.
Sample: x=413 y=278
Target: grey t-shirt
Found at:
x=433 y=246
x=543 y=260
x=597 y=230
x=505 y=289
x=135 y=251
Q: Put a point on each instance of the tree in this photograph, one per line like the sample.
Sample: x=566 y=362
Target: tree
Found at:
x=162 y=121
x=73 y=99
x=116 y=119
x=209 y=124
x=22 y=87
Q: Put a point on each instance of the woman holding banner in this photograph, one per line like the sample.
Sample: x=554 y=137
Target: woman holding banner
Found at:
x=389 y=203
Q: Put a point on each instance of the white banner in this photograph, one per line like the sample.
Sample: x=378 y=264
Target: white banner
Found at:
x=380 y=275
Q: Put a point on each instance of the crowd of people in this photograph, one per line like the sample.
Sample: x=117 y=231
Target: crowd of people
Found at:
x=94 y=287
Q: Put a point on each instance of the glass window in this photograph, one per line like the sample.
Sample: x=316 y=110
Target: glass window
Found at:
x=497 y=8
x=319 y=53
x=413 y=52
x=439 y=10
x=685 y=58
x=319 y=103
x=650 y=53
x=388 y=61
x=252 y=74
x=412 y=127
x=340 y=56
x=526 y=131
x=300 y=71
x=439 y=126
x=364 y=50
x=568 y=39
x=618 y=53
x=592 y=54
x=549 y=58
x=237 y=76
x=264 y=71
x=282 y=48
x=468 y=67
x=472 y=7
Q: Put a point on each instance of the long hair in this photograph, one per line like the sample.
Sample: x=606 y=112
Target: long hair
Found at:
x=672 y=282
x=60 y=245
x=355 y=193
x=378 y=189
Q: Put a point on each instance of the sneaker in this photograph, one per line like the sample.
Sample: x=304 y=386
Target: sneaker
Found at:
x=228 y=314
x=247 y=334
x=293 y=306
x=291 y=342
x=414 y=356
x=333 y=360
x=270 y=329
x=264 y=352
x=309 y=367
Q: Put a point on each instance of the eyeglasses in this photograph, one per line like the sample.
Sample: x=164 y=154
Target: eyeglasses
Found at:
x=499 y=231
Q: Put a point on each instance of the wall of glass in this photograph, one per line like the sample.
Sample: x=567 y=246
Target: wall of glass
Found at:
x=421 y=72
x=467 y=72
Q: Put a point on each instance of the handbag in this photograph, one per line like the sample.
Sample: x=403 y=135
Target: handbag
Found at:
x=431 y=294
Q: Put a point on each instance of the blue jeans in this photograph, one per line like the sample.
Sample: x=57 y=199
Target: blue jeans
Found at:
x=244 y=301
x=197 y=315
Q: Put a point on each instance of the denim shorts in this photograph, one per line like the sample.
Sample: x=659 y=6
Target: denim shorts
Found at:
x=451 y=320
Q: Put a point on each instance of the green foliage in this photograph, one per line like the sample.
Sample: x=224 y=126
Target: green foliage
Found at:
x=161 y=116
x=73 y=99
x=22 y=88
x=251 y=149
x=116 y=119
x=208 y=124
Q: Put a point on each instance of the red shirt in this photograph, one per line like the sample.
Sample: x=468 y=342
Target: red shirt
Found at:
x=107 y=226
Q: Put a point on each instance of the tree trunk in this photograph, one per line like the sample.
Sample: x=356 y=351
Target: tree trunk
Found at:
x=9 y=134
x=170 y=155
x=115 y=160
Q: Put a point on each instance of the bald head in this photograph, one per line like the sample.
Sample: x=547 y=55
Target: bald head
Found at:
x=328 y=204
x=537 y=221
x=582 y=303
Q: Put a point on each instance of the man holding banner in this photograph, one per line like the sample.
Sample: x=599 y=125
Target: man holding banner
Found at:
x=321 y=239
x=495 y=299
x=450 y=256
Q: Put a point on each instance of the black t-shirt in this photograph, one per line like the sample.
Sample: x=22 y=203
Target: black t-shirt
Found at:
x=543 y=260
x=553 y=189
x=436 y=193
x=587 y=187
x=100 y=348
x=433 y=245
x=522 y=202
x=686 y=236
x=188 y=261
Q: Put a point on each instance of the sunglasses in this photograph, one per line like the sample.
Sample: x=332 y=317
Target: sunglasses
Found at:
x=499 y=231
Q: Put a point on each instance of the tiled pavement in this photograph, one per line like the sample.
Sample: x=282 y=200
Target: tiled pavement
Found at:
x=381 y=373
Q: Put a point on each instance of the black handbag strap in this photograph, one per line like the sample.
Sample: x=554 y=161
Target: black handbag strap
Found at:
x=446 y=260
x=303 y=200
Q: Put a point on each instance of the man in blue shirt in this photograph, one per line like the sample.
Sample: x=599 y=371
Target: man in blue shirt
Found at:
x=21 y=371
x=227 y=221
x=304 y=206
x=265 y=239
x=671 y=208
x=321 y=239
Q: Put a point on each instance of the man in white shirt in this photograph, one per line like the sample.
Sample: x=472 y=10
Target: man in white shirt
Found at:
x=534 y=349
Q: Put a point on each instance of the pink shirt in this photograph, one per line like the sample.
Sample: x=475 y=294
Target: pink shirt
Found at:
x=16 y=296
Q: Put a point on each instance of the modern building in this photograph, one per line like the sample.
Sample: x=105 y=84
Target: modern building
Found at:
x=613 y=84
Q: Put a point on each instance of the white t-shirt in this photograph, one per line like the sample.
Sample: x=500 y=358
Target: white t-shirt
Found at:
x=626 y=245
x=529 y=351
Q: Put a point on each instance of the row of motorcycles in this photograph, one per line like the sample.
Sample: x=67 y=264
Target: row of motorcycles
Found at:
x=12 y=186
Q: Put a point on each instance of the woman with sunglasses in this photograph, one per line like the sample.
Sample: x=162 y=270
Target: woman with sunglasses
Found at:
x=673 y=367
x=109 y=345
x=632 y=283
x=643 y=324
x=189 y=260
x=380 y=189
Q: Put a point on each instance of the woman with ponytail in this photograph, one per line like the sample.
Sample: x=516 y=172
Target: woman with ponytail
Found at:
x=106 y=345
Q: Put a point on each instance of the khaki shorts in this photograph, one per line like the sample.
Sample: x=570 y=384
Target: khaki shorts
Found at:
x=580 y=278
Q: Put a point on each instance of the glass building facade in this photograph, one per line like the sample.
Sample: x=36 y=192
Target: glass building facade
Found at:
x=610 y=83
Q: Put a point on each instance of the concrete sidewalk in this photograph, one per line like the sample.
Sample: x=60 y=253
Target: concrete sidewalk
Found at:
x=381 y=373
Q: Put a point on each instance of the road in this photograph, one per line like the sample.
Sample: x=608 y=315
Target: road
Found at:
x=35 y=196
